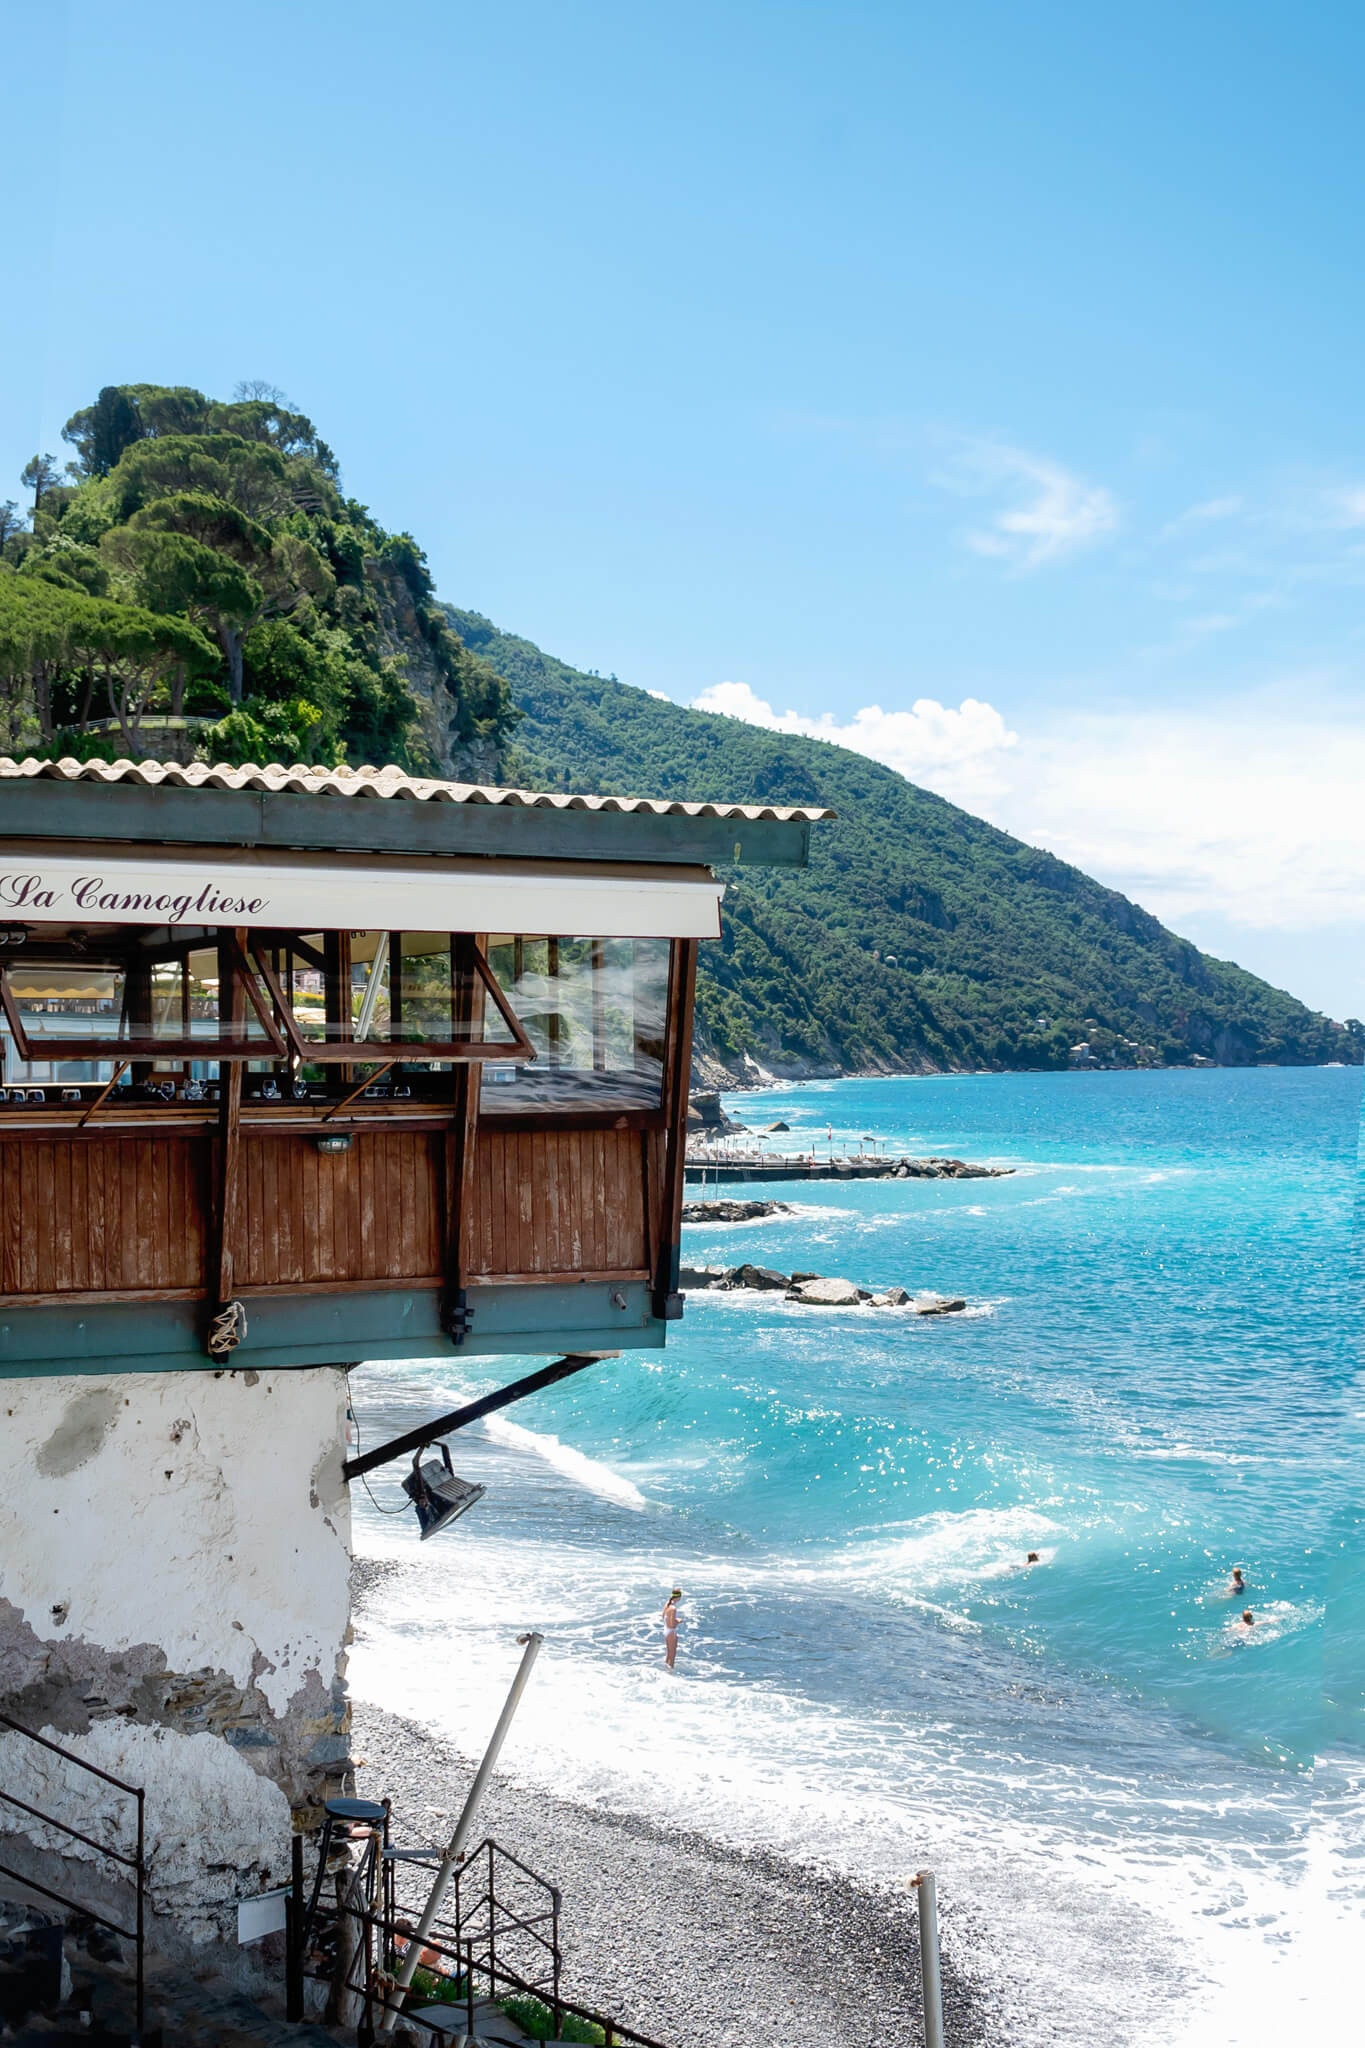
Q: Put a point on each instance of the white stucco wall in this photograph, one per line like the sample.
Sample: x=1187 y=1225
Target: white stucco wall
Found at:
x=216 y=1831
x=174 y=1599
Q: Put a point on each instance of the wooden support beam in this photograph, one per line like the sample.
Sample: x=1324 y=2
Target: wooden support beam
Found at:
x=227 y=1192
x=599 y=1006
x=396 y=985
x=466 y=1021
x=682 y=998
x=336 y=984
x=368 y=1081
x=459 y=1418
x=553 y=1021
x=105 y=1092
x=137 y=1004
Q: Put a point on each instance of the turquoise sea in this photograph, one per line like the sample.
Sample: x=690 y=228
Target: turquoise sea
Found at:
x=1143 y=1818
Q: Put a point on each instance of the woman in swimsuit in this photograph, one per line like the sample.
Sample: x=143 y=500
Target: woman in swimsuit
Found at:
x=670 y=1622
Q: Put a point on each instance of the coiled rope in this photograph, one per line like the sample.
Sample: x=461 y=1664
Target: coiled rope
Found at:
x=227 y=1329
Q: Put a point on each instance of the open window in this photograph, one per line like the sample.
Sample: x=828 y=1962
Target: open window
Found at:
x=400 y=998
x=75 y=1005
x=159 y=1014
x=595 y=1012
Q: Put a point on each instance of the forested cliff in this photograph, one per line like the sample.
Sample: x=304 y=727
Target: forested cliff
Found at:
x=197 y=584
x=920 y=937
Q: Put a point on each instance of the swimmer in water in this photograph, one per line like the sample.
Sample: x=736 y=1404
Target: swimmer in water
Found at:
x=1032 y=1557
x=670 y=1622
x=1248 y=1618
x=1239 y=1584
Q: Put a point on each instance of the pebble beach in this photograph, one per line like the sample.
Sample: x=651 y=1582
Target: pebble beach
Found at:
x=681 y=1937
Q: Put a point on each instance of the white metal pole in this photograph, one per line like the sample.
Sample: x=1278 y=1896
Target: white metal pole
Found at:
x=928 y=1959
x=455 y=1849
x=371 y=995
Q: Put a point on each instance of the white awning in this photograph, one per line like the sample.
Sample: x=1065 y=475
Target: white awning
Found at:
x=309 y=892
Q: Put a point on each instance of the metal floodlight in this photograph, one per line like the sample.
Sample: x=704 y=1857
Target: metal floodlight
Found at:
x=438 y=1496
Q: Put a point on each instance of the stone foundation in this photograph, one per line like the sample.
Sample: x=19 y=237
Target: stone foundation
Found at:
x=174 y=1606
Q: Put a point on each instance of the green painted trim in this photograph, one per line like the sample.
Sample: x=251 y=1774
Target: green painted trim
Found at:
x=273 y=818
x=314 y=1329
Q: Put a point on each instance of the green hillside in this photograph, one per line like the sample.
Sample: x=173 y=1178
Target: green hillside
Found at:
x=195 y=583
x=920 y=937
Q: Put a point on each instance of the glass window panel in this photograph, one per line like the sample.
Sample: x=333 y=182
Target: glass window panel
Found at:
x=595 y=1010
x=69 y=988
x=423 y=985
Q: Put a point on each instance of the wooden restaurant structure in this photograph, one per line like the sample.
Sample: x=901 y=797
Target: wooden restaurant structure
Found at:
x=320 y=1067
x=302 y=1068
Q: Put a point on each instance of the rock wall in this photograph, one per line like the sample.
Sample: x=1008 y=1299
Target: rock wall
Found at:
x=174 y=1604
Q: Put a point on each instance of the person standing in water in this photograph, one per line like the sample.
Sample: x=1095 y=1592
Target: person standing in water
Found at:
x=1239 y=1584
x=670 y=1622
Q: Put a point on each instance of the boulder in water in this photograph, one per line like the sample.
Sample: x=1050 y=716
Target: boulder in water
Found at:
x=762 y=1277
x=692 y=1277
x=825 y=1293
x=938 y=1304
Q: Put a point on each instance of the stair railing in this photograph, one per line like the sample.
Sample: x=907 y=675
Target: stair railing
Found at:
x=136 y=1863
x=455 y=1958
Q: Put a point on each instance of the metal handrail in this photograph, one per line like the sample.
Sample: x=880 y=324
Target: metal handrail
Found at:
x=70 y=1756
x=452 y=1946
x=137 y=1863
x=376 y=1994
x=50 y=1820
x=487 y=1918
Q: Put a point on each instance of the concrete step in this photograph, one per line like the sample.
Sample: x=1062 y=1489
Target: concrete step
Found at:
x=491 y=2024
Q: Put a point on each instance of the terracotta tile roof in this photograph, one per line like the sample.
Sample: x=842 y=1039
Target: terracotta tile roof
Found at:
x=300 y=780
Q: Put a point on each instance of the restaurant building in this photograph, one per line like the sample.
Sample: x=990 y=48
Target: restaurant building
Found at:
x=301 y=1067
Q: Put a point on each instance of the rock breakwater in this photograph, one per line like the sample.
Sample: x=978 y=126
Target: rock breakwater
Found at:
x=733 y=1212
x=816 y=1290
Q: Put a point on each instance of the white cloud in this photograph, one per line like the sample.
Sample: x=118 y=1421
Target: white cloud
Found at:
x=955 y=752
x=1250 y=820
x=1047 y=513
x=1205 y=514
x=1254 y=816
x=1347 y=507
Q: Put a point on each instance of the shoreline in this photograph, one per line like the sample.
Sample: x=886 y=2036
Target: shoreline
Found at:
x=688 y=1939
x=712 y=1079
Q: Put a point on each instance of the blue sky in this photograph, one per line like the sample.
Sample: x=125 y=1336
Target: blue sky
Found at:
x=813 y=362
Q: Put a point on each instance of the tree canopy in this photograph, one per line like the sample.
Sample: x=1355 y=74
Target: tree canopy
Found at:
x=199 y=584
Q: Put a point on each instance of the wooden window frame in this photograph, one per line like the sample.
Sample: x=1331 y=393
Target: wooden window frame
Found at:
x=226 y=1050
x=587 y=1111
x=283 y=1039
x=393 y=1051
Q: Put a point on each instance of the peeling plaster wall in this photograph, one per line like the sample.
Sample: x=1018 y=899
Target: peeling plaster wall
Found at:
x=174 y=1603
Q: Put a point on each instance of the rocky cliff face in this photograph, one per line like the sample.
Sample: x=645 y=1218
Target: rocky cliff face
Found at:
x=456 y=758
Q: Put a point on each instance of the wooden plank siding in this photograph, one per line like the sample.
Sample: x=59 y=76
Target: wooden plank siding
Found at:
x=372 y=1213
x=558 y=1203
x=123 y=1215
x=102 y=1215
